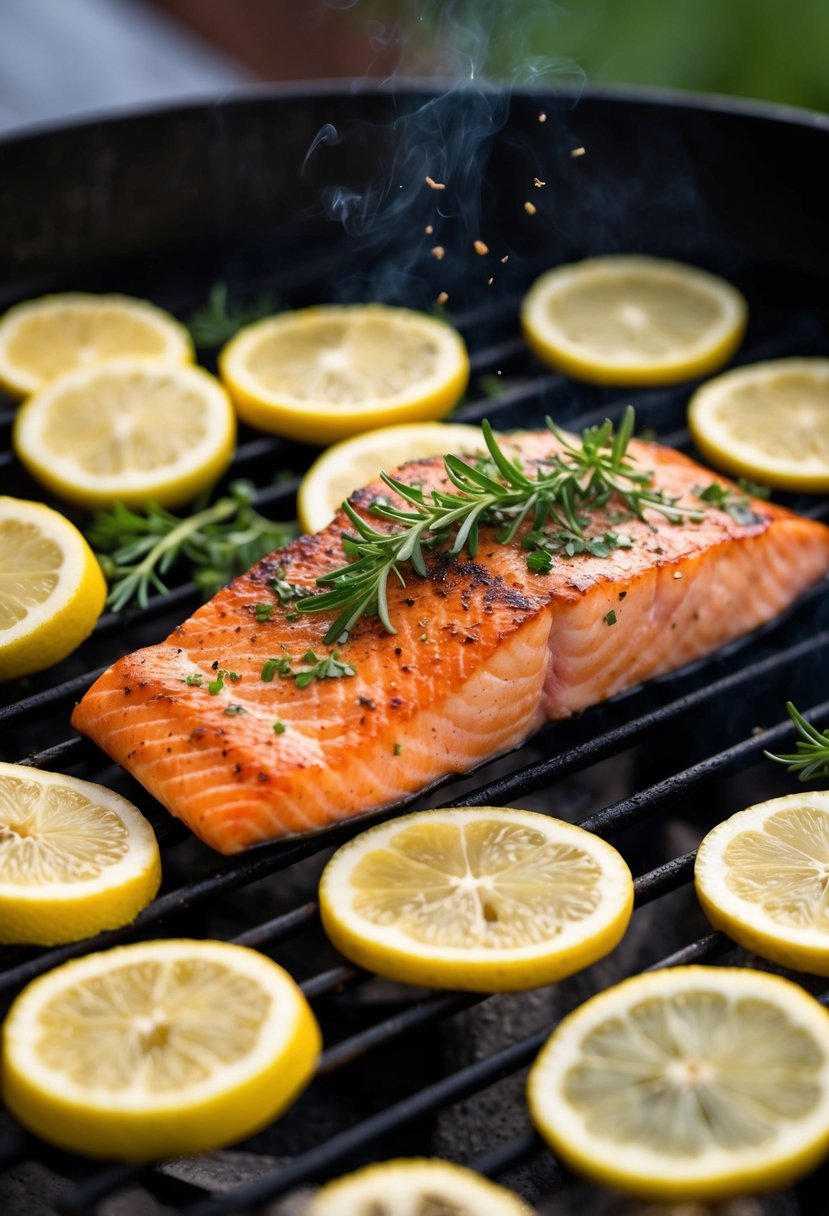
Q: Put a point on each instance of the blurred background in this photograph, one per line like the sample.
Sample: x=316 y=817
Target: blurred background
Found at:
x=70 y=58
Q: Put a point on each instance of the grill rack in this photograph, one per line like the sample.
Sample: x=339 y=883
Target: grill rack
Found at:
x=622 y=727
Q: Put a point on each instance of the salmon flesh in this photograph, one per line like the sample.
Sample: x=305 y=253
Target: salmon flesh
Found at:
x=216 y=725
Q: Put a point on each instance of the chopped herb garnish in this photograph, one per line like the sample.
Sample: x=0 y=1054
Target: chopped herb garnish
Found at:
x=398 y=748
x=136 y=548
x=194 y=679
x=738 y=506
x=217 y=321
x=263 y=612
x=327 y=668
x=216 y=686
x=287 y=592
x=540 y=561
x=279 y=728
x=812 y=756
x=582 y=478
x=273 y=666
x=232 y=710
x=610 y=618
x=754 y=488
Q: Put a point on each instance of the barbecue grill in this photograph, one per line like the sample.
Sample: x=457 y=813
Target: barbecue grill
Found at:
x=318 y=195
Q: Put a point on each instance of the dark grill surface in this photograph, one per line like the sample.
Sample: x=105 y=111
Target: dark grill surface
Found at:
x=405 y=1071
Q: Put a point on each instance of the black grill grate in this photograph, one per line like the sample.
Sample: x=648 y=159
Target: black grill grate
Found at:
x=652 y=769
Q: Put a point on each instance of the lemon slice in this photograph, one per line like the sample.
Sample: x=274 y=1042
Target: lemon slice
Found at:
x=157 y=1049
x=769 y=421
x=75 y=858
x=762 y=877
x=43 y=338
x=52 y=590
x=688 y=1083
x=478 y=898
x=129 y=430
x=415 y=1186
x=321 y=374
x=633 y=320
x=355 y=462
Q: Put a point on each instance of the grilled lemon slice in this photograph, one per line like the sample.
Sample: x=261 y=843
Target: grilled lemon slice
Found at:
x=41 y=339
x=478 y=898
x=762 y=877
x=633 y=320
x=129 y=430
x=688 y=1083
x=415 y=1187
x=321 y=374
x=157 y=1049
x=355 y=462
x=768 y=421
x=75 y=858
x=52 y=590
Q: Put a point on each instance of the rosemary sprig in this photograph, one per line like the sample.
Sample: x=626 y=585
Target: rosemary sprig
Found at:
x=737 y=505
x=137 y=548
x=812 y=756
x=561 y=497
x=217 y=321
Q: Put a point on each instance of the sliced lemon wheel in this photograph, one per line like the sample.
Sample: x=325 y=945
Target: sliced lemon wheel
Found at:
x=355 y=462
x=41 y=339
x=768 y=421
x=479 y=898
x=762 y=877
x=130 y=430
x=75 y=858
x=416 y=1186
x=157 y=1049
x=52 y=590
x=633 y=320
x=688 y=1083
x=321 y=374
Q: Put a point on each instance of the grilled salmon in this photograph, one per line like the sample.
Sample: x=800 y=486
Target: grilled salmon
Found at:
x=216 y=724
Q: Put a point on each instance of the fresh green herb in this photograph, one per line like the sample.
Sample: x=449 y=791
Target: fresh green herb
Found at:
x=754 y=488
x=327 y=668
x=610 y=617
x=272 y=666
x=287 y=592
x=490 y=386
x=217 y=321
x=194 y=679
x=232 y=710
x=279 y=728
x=216 y=686
x=540 y=561
x=566 y=489
x=263 y=612
x=738 y=506
x=398 y=748
x=812 y=756
x=137 y=548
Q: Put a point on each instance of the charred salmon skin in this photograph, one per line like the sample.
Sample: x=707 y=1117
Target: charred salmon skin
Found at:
x=246 y=725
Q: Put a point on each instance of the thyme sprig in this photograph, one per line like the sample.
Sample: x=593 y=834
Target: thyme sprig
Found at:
x=217 y=321
x=562 y=495
x=137 y=548
x=812 y=756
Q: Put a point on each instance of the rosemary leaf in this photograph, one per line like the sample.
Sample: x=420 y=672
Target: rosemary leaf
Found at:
x=811 y=759
x=217 y=321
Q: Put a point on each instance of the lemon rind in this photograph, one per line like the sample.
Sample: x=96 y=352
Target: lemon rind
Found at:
x=724 y=451
x=400 y=1177
x=322 y=423
x=387 y=951
x=248 y=1095
x=709 y=353
x=172 y=486
x=313 y=517
x=658 y=1177
x=747 y=923
x=180 y=346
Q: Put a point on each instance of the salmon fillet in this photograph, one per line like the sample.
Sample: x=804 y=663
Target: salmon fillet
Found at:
x=485 y=652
